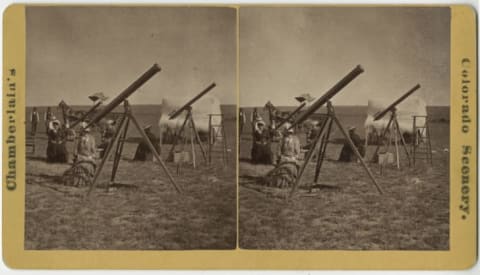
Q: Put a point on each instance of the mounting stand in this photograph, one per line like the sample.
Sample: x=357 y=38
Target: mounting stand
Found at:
x=322 y=138
x=421 y=145
x=396 y=132
x=213 y=134
x=178 y=135
x=119 y=140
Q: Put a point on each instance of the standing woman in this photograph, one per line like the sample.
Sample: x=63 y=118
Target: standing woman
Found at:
x=84 y=166
x=56 y=148
x=261 y=148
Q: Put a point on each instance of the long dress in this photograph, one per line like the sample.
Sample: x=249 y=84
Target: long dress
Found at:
x=56 y=147
x=261 y=149
x=143 y=152
x=83 y=169
x=285 y=173
x=347 y=154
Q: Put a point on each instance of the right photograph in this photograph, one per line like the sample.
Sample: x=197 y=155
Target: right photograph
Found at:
x=344 y=122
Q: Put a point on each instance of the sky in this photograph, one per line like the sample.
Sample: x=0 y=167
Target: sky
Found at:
x=285 y=52
x=73 y=52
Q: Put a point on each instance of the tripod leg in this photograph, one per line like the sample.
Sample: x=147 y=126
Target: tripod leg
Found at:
x=382 y=137
x=224 y=139
x=402 y=140
x=176 y=137
x=397 y=154
x=319 y=157
x=154 y=151
x=210 y=137
x=197 y=137
x=306 y=161
x=106 y=156
x=192 y=144
x=429 y=144
x=350 y=142
x=118 y=151
x=323 y=148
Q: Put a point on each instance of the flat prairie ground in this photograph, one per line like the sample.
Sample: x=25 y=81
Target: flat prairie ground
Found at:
x=347 y=212
x=143 y=213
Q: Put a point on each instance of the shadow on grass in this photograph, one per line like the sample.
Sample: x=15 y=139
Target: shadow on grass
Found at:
x=248 y=179
x=247 y=160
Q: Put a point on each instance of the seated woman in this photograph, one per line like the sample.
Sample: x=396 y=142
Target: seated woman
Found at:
x=289 y=149
x=285 y=174
x=83 y=169
x=261 y=148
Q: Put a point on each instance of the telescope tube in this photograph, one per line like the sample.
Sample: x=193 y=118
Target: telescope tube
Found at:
x=395 y=103
x=292 y=114
x=329 y=94
x=125 y=94
x=202 y=93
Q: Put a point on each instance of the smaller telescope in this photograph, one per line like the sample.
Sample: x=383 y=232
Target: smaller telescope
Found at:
x=193 y=100
x=329 y=94
x=86 y=114
x=381 y=114
x=291 y=115
x=393 y=122
x=189 y=119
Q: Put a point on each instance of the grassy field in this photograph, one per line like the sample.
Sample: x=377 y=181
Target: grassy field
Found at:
x=347 y=213
x=144 y=213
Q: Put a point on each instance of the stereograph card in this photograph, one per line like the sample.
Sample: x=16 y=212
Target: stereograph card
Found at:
x=239 y=137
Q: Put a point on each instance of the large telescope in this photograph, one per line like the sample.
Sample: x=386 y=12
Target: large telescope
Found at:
x=125 y=94
x=290 y=116
x=381 y=114
x=329 y=94
x=188 y=104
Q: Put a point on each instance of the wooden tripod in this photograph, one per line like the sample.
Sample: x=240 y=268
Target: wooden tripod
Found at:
x=393 y=122
x=119 y=140
x=194 y=135
x=319 y=145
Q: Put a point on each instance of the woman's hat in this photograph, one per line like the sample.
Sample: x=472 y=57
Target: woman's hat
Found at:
x=53 y=122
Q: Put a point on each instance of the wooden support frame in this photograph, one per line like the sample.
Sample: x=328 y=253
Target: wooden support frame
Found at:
x=119 y=140
x=320 y=145
x=191 y=123
x=393 y=127
x=212 y=136
x=418 y=139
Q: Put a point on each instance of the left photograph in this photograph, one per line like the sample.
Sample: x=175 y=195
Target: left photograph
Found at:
x=130 y=128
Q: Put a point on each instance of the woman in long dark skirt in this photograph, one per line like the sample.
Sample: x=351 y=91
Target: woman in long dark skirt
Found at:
x=56 y=148
x=261 y=149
